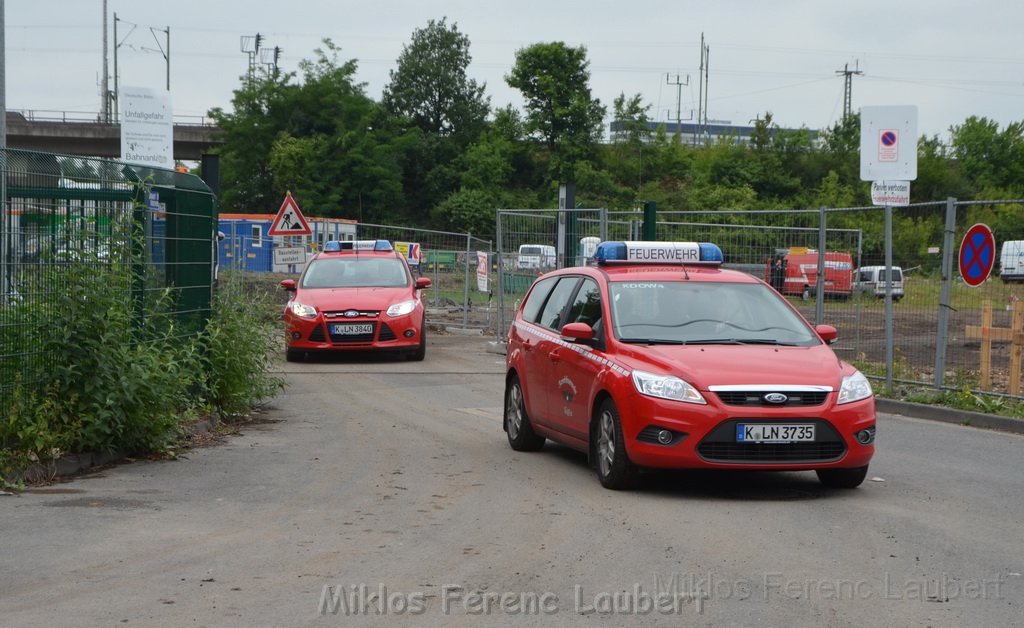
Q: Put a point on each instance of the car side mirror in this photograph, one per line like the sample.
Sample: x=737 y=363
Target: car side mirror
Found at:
x=422 y=283
x=581 y=333
x=288 y=284
x=827 y=333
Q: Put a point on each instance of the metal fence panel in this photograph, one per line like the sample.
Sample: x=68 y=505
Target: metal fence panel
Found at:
x=927 y=335
x=144 y=230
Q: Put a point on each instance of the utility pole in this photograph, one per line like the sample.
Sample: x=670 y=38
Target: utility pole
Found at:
x=702 y=94
x=104 y=85
x=164 y=51
x=270 y=57
x=679 y=101
x=848 y=87
x=251 y=46
x=117 y=45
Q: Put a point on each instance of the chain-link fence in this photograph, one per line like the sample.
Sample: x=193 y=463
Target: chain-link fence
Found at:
x=141 y=231
x=451 y=261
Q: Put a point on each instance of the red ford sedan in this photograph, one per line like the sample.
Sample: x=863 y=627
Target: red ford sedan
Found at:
x=657 y=357
x=356 y=296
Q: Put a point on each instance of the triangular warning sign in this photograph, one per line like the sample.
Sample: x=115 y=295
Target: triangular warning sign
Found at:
x=289 y=220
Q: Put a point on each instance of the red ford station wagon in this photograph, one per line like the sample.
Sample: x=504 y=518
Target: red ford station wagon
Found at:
x=656 y=357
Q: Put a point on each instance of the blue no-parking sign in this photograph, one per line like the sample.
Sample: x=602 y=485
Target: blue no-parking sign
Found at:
x=977 y=255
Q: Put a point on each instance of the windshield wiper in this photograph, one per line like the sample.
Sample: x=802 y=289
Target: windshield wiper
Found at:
x=652 y=341
x=714 y=341
x=764 y=341
x=739 y=341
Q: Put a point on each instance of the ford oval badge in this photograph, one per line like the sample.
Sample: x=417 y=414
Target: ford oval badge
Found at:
x=775 y=398
x=351 y=313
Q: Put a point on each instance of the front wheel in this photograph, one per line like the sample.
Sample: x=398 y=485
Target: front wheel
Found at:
x=294 y=355
x=614 y=468
x=842 y=478
x=521 y=436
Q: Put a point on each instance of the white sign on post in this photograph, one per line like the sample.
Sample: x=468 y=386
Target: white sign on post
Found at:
x=288 y=255
x=483 y=271
x=895 y=193
x=147 y=127
x=888 y=143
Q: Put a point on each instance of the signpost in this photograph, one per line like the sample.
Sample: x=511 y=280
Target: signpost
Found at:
x=147 y=127
x=289 y=220
x=289 y=255
x=883 y=161
x=977 y=255
x=483 y=271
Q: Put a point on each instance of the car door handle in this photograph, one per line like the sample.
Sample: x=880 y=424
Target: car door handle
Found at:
x=555 y=356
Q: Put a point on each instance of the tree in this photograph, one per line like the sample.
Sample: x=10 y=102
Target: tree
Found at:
x=430 y=85
x=554 y=80
x=631 y=118
x=990 y=157
x=248 y=133
x=430 y=90
x=323 y=139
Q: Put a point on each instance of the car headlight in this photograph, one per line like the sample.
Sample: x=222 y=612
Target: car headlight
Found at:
x=666 y=387
x=401 y=309
x=855 y=387
x=302 y=310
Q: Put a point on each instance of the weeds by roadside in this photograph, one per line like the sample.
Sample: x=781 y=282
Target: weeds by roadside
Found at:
x=105 y=379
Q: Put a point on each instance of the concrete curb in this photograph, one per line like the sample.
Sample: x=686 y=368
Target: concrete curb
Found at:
x=78 y=464
x=950 y=415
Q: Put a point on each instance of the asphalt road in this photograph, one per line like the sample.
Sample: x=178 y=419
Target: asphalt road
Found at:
x=377 y=492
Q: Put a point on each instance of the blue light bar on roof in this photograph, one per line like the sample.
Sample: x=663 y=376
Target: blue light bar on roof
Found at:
x=658 y=253
x=334 y=246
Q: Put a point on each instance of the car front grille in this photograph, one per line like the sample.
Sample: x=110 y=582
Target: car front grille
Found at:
x=756 y=398
x=720 y=445
x=318 y=335
x=386 y=333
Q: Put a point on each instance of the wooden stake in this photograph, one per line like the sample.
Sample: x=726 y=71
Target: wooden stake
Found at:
x=1016 y=347
x=986 y=345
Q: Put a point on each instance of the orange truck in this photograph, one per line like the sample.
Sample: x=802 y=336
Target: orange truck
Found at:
x=794 y=271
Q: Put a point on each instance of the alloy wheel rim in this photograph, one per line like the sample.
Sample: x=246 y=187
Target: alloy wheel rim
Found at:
x=606 y=443
x=514 y=412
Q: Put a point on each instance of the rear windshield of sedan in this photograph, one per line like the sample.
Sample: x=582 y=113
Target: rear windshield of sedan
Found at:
x=355 y=272
x=690 y=312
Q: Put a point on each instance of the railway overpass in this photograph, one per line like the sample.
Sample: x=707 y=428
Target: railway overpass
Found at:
x=86 y=134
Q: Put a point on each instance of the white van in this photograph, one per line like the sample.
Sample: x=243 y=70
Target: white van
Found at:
x=536 y=257
x=872 y=279
x=1011 y=261
x=588 y=246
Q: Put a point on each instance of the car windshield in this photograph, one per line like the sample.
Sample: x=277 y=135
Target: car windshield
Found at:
x=691 y=312
x=355 y=272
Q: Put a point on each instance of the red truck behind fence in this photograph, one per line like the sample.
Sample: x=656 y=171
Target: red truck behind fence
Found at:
x=795 y=272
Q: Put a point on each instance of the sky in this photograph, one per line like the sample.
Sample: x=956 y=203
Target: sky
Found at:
x=951 y=59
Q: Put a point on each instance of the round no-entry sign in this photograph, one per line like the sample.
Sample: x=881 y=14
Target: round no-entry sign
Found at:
x=977 y=255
